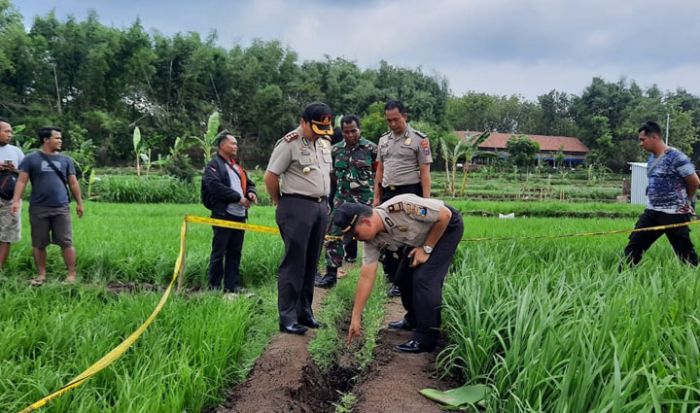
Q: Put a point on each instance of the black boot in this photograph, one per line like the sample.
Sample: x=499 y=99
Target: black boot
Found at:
x=328 y=280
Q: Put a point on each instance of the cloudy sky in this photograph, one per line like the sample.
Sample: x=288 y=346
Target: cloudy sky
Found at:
x=524 y=47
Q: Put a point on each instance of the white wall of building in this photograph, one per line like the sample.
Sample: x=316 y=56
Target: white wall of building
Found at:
x=638 y=187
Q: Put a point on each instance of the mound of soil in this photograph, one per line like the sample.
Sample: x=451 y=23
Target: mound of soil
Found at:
x=394 y=380
x=284 y=379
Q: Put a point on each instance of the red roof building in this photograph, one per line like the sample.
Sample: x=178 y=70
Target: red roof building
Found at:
x=574 y=150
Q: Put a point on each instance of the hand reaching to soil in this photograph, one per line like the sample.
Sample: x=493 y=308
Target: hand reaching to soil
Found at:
x=355 y=330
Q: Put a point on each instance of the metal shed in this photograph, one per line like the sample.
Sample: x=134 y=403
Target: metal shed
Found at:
x=638 y=188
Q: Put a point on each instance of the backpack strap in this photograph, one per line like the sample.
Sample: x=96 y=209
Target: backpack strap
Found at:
x=60 y=175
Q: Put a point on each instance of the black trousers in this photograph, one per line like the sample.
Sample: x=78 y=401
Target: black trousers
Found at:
x=302 y=223
x=639 y=242
x=225 y=258
x=351 y=249
x=391 y=262
x=421 y=287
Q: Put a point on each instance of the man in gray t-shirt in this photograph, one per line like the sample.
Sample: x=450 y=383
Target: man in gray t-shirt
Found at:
x=51 y=174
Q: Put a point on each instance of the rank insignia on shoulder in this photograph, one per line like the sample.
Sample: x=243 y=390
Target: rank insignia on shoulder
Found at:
x=291 y=137
x=421 y=134
x=397 y=207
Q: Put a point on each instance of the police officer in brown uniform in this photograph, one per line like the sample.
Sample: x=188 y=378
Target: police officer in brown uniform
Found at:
x=403 y=167
x=298 y=181
x=431 y=230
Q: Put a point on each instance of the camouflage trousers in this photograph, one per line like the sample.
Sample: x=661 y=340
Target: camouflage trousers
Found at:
x=335 y=250
x=9 y=224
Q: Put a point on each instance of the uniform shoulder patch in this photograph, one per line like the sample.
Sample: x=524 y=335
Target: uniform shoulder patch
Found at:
x=291 y=136
x=421 y=134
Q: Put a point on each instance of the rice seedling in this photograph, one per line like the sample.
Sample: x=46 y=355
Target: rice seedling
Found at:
x=551 y=325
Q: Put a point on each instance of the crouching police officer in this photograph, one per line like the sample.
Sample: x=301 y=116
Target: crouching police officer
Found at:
x=403 y=167
x=302 y=159
x=432 y=231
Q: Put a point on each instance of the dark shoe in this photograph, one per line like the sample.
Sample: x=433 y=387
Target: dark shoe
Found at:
x=297 y=329
x=327 y=281
x=350 y=260
x=413 y=346
x=394 y=291
x=310 y=322
x=401 y=325
x=318 y=277
x=236 y=290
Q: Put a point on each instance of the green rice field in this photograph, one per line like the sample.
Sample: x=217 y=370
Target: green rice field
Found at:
x=549 y=325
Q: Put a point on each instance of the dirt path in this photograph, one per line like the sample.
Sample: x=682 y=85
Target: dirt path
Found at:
x=393 y=383
x=283 y=379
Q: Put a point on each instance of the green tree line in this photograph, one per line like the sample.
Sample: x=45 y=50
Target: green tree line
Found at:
x=605 y=117
x=99 y=83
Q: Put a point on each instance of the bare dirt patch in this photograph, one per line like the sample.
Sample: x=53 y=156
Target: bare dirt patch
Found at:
x=284 y=379
x=393 y=382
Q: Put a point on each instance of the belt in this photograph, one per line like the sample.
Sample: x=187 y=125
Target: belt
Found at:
x=317 y=199
x=395 y=187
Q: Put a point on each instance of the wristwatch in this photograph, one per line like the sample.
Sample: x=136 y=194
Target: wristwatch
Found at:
x=427 y=249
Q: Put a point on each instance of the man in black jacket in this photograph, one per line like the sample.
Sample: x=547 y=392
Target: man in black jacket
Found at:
x=228 y=193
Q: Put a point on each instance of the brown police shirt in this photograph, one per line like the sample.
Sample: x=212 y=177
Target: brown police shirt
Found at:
x=303 y=166
x=407 y=219
x=402 y=156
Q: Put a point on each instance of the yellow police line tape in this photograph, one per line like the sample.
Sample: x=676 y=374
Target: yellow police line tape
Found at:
x=119 y=350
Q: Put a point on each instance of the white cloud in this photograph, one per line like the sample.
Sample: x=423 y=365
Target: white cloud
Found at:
x=525 y=47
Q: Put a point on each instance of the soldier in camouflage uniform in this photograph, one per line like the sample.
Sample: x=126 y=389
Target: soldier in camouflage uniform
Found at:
x=353 y=167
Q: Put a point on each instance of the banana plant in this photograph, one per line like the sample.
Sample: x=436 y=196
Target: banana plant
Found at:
x=453 y=151
x=137 y=146
x=470 y=150
x=206 y=142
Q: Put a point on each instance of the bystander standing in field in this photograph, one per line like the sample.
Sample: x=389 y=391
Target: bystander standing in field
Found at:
x=10 y=157
x=354 y=162
x=51 y=174
x=431 y=231
x=403 y=167
x=670 y=191
x=298 y=181
x=228 y=192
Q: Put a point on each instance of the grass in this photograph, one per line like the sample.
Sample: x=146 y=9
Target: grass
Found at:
x=197 y=347
x=549 y=325
x=555 y=327
x=547 y=209
x=144 y=189
x=337 y=306
x=137 y=242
